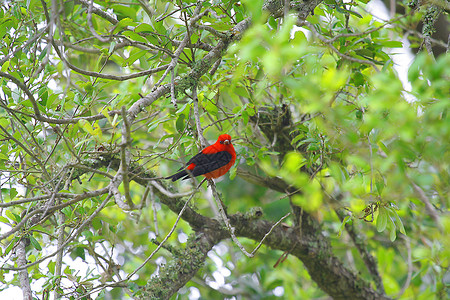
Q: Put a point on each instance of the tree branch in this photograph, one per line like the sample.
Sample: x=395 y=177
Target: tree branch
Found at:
x=23 y=273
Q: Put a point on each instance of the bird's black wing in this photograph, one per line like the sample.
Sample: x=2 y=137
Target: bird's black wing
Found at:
x=204 y=163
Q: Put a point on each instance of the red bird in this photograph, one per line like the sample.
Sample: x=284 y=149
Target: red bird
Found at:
x=212 y=162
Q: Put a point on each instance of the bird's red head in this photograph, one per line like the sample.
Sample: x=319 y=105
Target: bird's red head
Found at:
x=224 y=139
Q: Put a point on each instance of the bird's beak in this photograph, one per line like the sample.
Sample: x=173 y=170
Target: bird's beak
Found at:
x=226 y=142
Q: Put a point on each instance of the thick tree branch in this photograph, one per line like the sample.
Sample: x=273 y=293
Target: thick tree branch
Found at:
x=182 y=268
x=23 y=273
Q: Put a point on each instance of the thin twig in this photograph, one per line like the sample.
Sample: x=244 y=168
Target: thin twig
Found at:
x=427 y=43
x=160 y=18
x=225 y=219
x=269 y=232
x=371 y=164
x=211 y=30
x=100 y=12
x=25 y=89
x=59 y=256
x=410 y=267
x=91 y=26
x=20 y=224
x=431 y=211
x=37 y=198
x=55 y=190
x=197 y=118
x=125 y=156
x=155 y=213
x=145 y=6
x=167 y=236
x=109 y=76
x=169 y=194
x=172 y=90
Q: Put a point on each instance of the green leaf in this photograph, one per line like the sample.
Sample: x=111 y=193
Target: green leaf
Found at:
x=273 y=22
x=143 y=27
x=12 y=216
x=5 y=66
x=156 y=123
x=87 y=234
x=51 y=99
x=392 y=235
x=310 y=202
x=11 y=245
x=96 y=223
x=233 y=172
x=135 y=56
x=379 y=183
x=67 y=212
x=123 y=22
x=383 y=147
x=180 y=124
x=346 y=220
x=43 y=96
x=104 y=112
x=245 y=117
x=381 y=219
x=293 y=161
x=87 y=127
x=134 y=36
x=250 y=109
x=184 y=108
x=51 y=267
x=389 y=43
x=13 y=193
x=4 y=220
x=78 y=252
x=297 y=138
x=211 y=107
x=396 y=219
x=32 y=258
x=35 y=243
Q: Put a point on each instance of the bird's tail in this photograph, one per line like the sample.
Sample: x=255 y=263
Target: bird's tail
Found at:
x=178 y=175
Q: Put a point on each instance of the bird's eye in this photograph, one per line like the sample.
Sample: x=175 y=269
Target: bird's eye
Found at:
x=221 y=142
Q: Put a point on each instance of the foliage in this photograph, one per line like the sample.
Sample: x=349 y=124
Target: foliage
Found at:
x=98 y=103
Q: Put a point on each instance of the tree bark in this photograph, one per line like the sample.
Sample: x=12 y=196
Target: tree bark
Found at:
x=23 y=274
